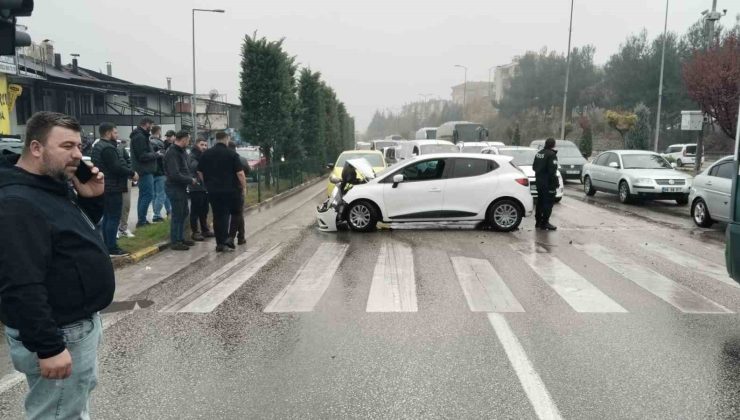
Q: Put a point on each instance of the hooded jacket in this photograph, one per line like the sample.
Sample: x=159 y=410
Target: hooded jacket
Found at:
x=545 y=168
x=55 y=268
x=107 y=156
x=143 y=157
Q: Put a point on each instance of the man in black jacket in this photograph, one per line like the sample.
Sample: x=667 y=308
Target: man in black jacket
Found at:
x=144 y=160
x=546 y=171
x=106 y=156
x=56 y=274
x=198 y=195
x=178 y=180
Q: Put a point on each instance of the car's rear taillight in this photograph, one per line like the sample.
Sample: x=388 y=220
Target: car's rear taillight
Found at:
x=523 y=181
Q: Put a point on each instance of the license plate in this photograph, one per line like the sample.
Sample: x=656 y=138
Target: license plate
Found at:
x=572 y=172
x=672 y=189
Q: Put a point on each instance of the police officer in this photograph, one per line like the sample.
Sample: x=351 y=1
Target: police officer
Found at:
x=546 y=171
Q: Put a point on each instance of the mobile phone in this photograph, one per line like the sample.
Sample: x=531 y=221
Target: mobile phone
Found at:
x=84 y=173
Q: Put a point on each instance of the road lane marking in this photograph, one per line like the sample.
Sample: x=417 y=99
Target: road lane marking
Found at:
x=531 y=382
x=700 y=265
x=483 y=287
x=213 y=297
x=394 y=286
x=675 y=294
x=207 y=283
x=578 y=292
x=311 y=281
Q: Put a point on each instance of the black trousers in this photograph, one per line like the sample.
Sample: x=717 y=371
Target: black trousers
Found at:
x=198 y=211
x=545 y=201
x=224 y=205
x=178 y=196
x=236 y=225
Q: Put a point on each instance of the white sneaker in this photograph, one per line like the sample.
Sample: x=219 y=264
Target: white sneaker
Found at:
x=128 y=234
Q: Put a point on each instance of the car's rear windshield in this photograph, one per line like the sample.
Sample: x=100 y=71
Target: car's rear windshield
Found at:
x=568 y=152
x=645 y=161
x=521 y=157
x=374 y=159
x=438 y=148
x=249 y=154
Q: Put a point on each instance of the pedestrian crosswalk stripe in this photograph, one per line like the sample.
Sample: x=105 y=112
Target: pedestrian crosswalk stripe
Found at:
x=539 y=397
x=571 y=286
x=483 y=287
x=210 y=300
x=207 y=283
x=675 y=294
x=393 y=288
x=309 y=284
x=698 y=264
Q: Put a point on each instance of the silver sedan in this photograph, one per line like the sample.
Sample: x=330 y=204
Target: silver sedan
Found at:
x=711 y=194
x=636 y=174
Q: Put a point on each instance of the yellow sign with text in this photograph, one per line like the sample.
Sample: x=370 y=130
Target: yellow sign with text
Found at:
x=4 y=105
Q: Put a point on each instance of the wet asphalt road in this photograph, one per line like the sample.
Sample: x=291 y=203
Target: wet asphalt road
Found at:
x=599 y=345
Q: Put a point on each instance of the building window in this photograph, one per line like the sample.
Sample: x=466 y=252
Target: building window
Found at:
x=137 y=101
x=23 y=108
x=85 y=104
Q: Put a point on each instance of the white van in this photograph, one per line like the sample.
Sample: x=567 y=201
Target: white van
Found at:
x=682 y=154
x=426 y=133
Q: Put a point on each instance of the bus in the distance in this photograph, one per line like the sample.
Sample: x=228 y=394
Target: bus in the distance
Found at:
x=465 y=131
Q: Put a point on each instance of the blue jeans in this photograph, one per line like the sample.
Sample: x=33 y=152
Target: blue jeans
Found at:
x=112 y=208
x=61 y=398
x=179 y=198
x=146 y=194
x=160 y=197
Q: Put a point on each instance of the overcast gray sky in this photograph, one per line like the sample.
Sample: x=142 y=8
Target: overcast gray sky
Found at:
x=376 y=54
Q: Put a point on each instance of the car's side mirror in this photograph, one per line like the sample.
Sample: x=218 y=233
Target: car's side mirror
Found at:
x=335 y=179
x=614 y=165
x=397 y=179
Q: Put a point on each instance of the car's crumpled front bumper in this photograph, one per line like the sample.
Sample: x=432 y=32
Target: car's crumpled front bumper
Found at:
x=326 y=215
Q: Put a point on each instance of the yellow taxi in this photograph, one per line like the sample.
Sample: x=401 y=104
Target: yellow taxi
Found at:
x=374 y=157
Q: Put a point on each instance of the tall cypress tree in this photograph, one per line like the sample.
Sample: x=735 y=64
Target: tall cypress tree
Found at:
x=311 y=114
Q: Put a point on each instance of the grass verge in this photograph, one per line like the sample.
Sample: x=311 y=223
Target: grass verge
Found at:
x=146 y=236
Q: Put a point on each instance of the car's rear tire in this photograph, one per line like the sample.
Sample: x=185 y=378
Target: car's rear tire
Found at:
x=683 y=200
x=625 y=197
x=588 y=187
x=362 y=216
x=505 y=215
x=700 y=214
x=679 y=163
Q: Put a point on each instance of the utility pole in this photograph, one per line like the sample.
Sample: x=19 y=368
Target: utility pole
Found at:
x=194 y=135
x=567 y=74
x=660 y=88
x=709 y=19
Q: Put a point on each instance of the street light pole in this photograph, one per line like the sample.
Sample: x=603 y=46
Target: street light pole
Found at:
x=709 y=19
x=660 y=88
x=465 y=88
x=567 y=74
x=193 y=102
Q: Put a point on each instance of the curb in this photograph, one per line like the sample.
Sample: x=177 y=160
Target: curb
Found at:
x=149 y=251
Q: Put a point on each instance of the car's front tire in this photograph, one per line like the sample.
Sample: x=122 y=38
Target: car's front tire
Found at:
x=505 y=215
x=588 y=187
x=700 y=214
x=362 y=216
x=625 y=197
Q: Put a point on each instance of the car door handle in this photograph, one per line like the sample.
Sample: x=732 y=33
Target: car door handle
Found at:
x=709 y=184
x=435 y=189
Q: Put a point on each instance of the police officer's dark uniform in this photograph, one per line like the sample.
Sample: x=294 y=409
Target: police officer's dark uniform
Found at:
x=546 y=171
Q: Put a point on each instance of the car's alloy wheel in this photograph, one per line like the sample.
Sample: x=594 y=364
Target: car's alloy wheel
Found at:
x=505 y=216
x=624 y=192
x=700 y=214
x=361 y=217
x=587 y=187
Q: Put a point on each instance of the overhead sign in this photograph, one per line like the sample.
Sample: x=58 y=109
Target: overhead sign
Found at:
x=692 y=120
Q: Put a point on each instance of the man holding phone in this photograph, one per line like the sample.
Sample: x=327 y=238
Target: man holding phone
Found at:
x=56 y=273
x=107 y=157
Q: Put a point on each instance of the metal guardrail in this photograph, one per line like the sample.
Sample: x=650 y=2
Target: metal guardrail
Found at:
x=273 y=179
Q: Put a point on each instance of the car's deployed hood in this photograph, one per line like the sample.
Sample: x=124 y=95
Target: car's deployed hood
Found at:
x=363 y=167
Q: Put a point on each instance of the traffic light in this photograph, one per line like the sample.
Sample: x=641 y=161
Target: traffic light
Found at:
x=10 y=37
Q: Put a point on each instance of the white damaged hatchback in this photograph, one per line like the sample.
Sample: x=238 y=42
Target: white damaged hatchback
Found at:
x=444 y=187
